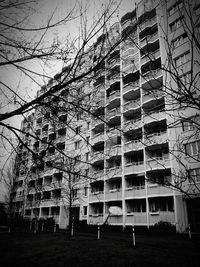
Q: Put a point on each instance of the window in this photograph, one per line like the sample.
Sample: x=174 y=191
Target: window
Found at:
x=187 y=125
x=176 y=24
x=194 y=175
x=77 y=159
x=182 y=59
x=74 y=193
x=88 y=139
x=177 y=6
x=192 y=148
x=77 y=144
x=79 y=115
x=85 y=191
x=87 y=156
x=85 y=210
x=180 y=40
x=78 y=130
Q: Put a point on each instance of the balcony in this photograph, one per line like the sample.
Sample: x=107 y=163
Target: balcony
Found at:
x=152 y=79
x=97 y=156
x=99 y=121
x=132 y=105
x=155 y=189
x=152 y=95
x=97 y=175
x=148 y=23
x=114 y=63
x=149 y=39
x=113 y=112
x=132 y=124
x=113 y=194
x=130 y=87
x=136 y=218
x=151 y=56
x=97 y=138
x=96 y=219
x=158 y=163
x=114 y=151
x=129 y=50
x=132 y=145
x=128 y=23
x=113 y=172
x=135 y=192
x=96 y=196
x=156 y=138
x=154 y=116
x=115 y=220
x=167 y=216
x=134 y=167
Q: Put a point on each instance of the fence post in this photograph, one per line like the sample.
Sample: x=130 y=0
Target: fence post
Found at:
x=133 y=232
x=189 y=232
x=98 y=232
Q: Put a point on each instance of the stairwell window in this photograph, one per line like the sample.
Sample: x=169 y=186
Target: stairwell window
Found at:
x=176 y=24
x=194 y=175
x=192 y=148
x=182 y=59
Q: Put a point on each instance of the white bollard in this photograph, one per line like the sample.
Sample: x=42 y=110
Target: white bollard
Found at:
x=189 y=232
x=72 y=230
x=54 y=229
x=98 y=232
x=133 y=232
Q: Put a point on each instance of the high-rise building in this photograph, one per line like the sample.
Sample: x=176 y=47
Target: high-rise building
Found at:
x=123 y=152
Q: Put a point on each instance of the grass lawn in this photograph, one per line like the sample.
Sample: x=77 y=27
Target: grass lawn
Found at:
x=113 y=249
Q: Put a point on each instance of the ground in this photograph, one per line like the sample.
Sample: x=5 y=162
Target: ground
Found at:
x=113 y=249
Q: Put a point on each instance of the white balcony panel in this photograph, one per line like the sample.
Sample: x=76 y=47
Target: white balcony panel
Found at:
x=113 y=172
x=135 y=192
x=133 y=145
x=167 y=216
x=134 y=167
x=113 y=194
x=136 y=218
x=155 y=116
x=157 y=163
x=96 y=197
x=96 y=219
x=155 y=189
x=115 y=220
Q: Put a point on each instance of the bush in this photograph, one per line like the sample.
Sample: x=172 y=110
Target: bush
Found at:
x=164 y=226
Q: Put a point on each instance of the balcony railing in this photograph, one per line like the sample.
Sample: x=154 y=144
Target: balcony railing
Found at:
x=113 y=172
x=134 y=167
x=132 y=145
x=155 y=189
x=96 y=196
x=150 y=57
x=136 y=218
x=158 y=163
x=96 y=219
x=113 y=194
x=149 y=39
x=132 y=104
x=113 y=112
x=154 y=116
x=167 y=216
x=130 y=86
x=135 y=191
x=153 y=95
x=156 y=138
x=132 y=124
x=154 y=74
x=115 y=94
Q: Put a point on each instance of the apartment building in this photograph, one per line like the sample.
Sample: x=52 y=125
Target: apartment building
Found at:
x=122 y=152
